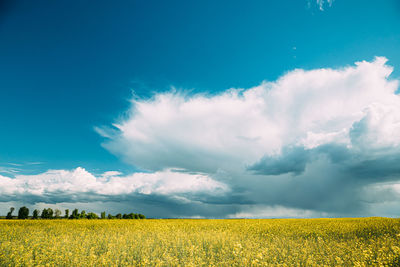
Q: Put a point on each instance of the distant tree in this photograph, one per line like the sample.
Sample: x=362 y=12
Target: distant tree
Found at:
x=83 y=214
x=136 y=216
x=118 y=216
x=35 y=214
x=125 y=216
x=75 y=214
x=47 y=213
x=103 y=215
x=141 y=216
x=109 y=216
x=23 y=213
x=50 y=213
x=57 y=213
x=66 y=213
x=131 y=216
x=92 y=215
x=9 y=214
x=44 y=214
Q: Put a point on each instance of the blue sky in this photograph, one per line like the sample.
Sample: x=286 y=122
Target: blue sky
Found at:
x=70 y=70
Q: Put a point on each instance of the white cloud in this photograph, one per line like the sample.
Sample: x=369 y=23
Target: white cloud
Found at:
x=321 y=4
x=380 y=127
x=80 y=181
x=335 y=130
x=239 y=126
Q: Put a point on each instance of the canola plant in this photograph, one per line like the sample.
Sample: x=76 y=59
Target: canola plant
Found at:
x=193 y=242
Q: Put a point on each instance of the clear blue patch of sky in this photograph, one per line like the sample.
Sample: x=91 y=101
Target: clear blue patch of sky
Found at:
x=68 y=66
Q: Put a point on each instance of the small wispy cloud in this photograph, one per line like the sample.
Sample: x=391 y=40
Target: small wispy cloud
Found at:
x=9 y=170
x=12 y=168
x=321 y=4
x=14 y=164
x=35 y=163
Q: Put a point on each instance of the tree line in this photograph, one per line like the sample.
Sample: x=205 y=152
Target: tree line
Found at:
x=23 y=213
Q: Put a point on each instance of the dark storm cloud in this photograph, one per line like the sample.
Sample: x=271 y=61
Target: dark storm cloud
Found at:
x=291 y=160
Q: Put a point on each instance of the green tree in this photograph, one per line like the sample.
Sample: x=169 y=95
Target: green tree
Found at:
x=57 y=213
x=35 y=214
x=47 y=213
x=118 y=216
x=75 y=214
x=9 y=214
x=92 y=215
x=109 y=216
x=103 y=215
x=23 y=213
x=44 y=214
x=141 y=216
x=66 y=213
x=83 y=214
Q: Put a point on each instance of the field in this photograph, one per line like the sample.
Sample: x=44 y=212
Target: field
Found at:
x=277 y=242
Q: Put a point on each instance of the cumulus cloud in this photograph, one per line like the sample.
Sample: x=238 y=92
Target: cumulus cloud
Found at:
x=351 y=106
x=312 y=140
x=78 y=184
x=322 y=142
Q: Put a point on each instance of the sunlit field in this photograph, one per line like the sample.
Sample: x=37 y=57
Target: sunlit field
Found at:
x=184 y=242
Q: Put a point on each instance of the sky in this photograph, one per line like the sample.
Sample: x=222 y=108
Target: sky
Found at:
x=201 y=109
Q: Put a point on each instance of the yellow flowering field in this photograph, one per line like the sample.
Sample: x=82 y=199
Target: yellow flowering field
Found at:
x=187 y=242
